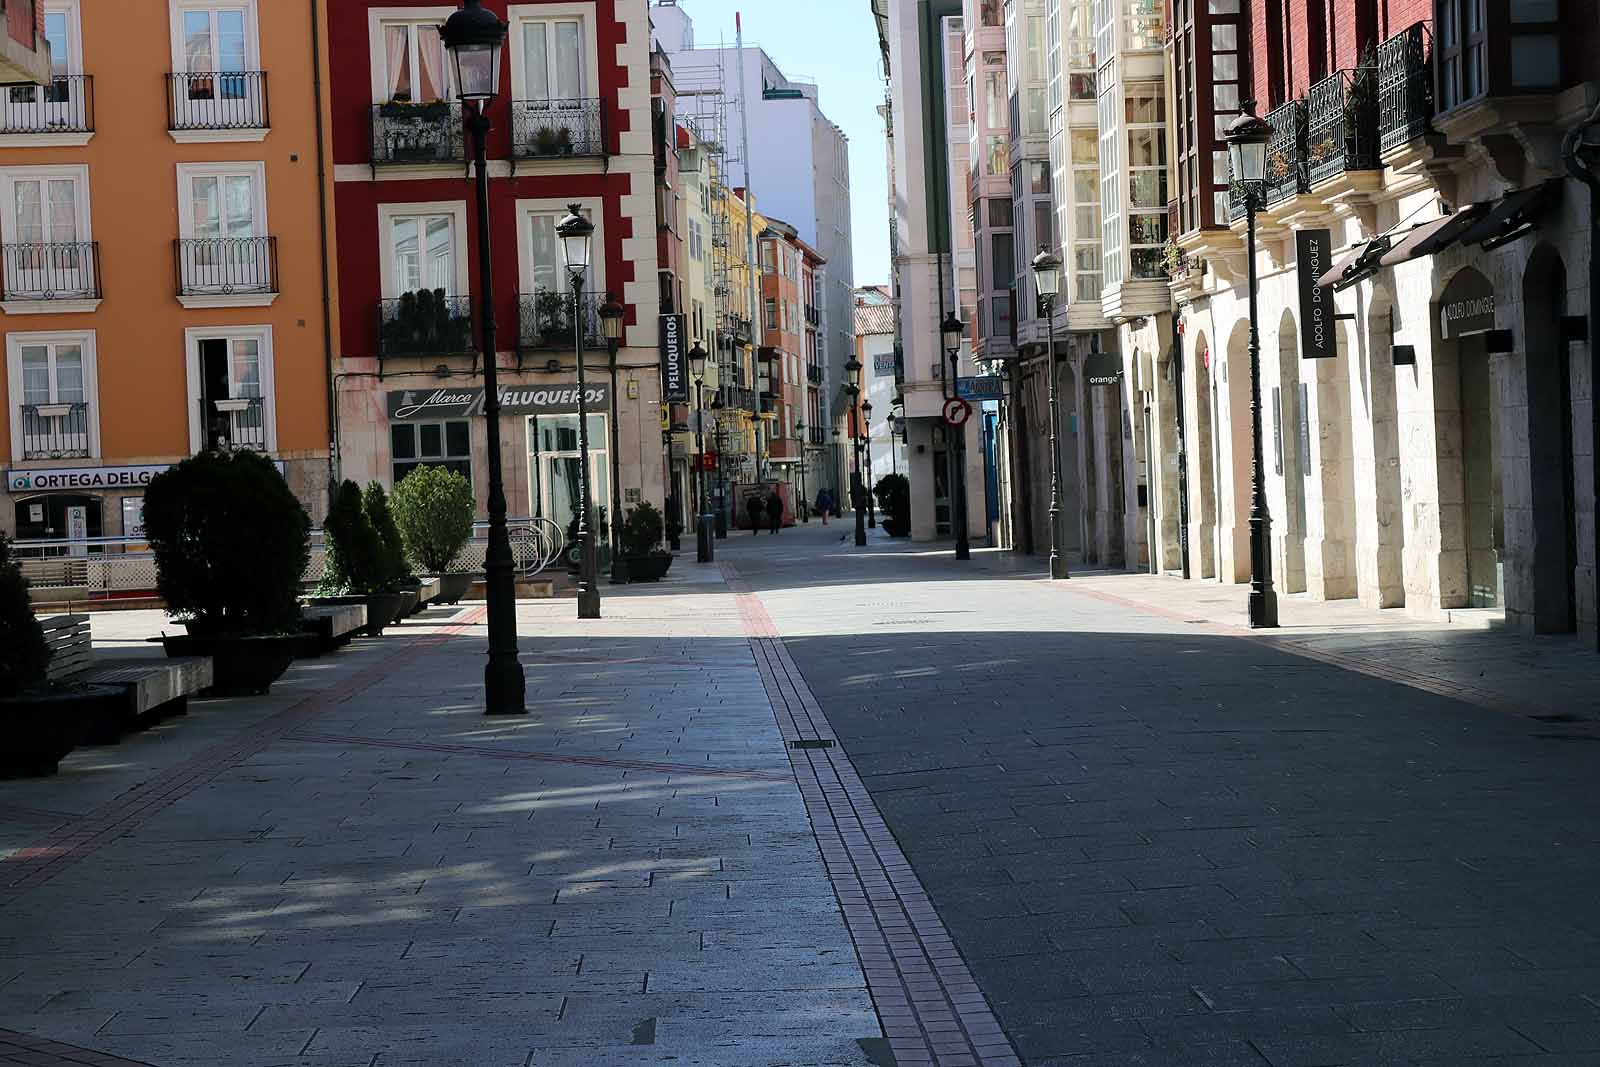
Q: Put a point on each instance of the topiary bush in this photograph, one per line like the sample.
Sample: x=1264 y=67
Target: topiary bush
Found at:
x=433 y=509
x=355 y=552
x=24 y=653
x=642 y=529
x=894 y=500
x=231 y=543
x=392 y=565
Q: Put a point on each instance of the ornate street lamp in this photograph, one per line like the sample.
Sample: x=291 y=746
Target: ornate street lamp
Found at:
x=576 y=233
x=612 y=313
x=1247 y=156
x=704 y=522
x=1047 y=279
x=866 y=432
x=950 y=331
x=852 y=371
x=473 y=37
x=805 y=503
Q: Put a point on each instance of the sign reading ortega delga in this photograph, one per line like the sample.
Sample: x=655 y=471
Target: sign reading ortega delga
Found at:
x=674 y=373
x=407 y=405
x=1312 y=256
x=50 y=479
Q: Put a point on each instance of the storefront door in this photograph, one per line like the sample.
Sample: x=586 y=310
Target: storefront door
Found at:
x=554 y=462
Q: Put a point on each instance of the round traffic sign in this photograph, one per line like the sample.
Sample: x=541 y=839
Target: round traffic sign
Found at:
x=957 y=411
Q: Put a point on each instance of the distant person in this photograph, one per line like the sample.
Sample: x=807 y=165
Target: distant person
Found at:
x=753 y=508
x=824 y=504
x=774 y=511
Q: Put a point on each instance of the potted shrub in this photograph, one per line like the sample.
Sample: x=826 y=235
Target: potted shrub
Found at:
x=433 y=508
x=41 y=722
x=354 y=572
x=544 y=141
x=231 y=543
x=392 y=563
x=894 y=501
x=641 y=535
x=552 y=311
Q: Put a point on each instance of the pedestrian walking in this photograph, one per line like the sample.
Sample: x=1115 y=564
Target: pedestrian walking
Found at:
x=753 y=508
x=824 y=504
x=775 y=511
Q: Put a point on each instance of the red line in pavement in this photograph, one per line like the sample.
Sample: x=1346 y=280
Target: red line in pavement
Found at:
x=931 y=1009
x=542 y=757
x=30 y=867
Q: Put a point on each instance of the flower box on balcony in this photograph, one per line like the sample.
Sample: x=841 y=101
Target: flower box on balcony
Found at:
x=407 y=111
x=230 y=404
x=53 y=411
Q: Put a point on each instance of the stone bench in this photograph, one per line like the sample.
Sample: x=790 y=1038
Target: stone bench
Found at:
x=331 y=626
x=152 y=689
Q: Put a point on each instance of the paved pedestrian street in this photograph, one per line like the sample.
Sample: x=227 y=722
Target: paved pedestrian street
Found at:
x=820 y=805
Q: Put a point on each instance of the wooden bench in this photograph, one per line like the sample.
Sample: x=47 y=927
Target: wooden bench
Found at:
x=153 y=689
x=330 y=626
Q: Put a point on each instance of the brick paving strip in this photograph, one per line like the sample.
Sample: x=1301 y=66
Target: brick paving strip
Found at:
x=80 y=838
x=41 y=1052
x=932 y=1010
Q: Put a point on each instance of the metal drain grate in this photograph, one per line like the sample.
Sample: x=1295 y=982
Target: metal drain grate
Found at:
x=812 y=742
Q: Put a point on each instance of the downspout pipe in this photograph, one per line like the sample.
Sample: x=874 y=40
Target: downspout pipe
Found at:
x=1572 y=152
x=332 y=398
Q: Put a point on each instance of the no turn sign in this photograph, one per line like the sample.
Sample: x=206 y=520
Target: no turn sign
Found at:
x=957 y=411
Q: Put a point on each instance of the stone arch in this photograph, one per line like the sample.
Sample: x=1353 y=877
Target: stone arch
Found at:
x=1202 y=461
x=1471 y=527
x=1069 y=438
x=1380 y=508
x=1234 y=456
x=1285 y=455
x=1546 y=566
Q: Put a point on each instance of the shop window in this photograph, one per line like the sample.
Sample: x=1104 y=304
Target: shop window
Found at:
x=434 y=444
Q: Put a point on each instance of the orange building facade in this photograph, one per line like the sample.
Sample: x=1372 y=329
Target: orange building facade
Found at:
x=165 y=271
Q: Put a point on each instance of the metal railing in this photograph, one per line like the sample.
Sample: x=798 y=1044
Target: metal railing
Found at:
x=405 y=133
x=739 y=326
x=225 y=266
x=545 y=320
x=63 y=271
x=217 y=100
x=817 y=434
x=769 y=402
x=55 y=431
x=21 y=24
x=813 y=315
x=66 y=105
x=1405 y=86
x=813 y=374
x=1286 y=153
x=425 y=323
x=556 y=129
x=235 y=422
x=1342 y=124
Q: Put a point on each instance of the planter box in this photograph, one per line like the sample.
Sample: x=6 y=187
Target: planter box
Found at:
x=452 y=587
x=647 y=568
x=241 y=666
x=42 y=728
x=382 y=608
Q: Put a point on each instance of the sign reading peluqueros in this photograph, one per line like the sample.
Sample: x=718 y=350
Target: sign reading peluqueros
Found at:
x=674 y=375
x=406 y=405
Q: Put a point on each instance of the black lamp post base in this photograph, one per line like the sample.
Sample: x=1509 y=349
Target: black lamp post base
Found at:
x=504 y=687
x=1058 y=567
x=589 y=603
x=705 y=546
x=1263 y=609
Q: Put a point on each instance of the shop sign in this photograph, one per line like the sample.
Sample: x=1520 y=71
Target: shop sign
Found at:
x=883 y=364
x=1317 y=340
x=423 y=404
x=674 y=373
x=1468 y=308
x=54 y=479
x=982 y=387
x=1102 y=368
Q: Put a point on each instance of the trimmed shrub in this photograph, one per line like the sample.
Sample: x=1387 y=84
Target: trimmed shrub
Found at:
x=231 y=543
x=24 y=653
x=894 y=500
x=355 y=552
x=642 y=530
x=433 y=508
x=392 y=565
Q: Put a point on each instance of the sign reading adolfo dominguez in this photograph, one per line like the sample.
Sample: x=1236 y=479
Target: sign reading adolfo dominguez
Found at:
x=410 y=404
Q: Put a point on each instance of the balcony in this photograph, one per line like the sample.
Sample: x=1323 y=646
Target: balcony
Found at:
x=766 y=353
x=545 y=320
x=425 y=323
x=55 y=431
x=739 y=326
x=44 y=113
x=226 y=271
x=24 y=56
x=1342 y=124
x=813 y=374
x=217 y=105
x=65 y=276
x=769 y=402
x=557 y=129
x=817 y=434
x=234 y=423
x=1286 y=153
x=745 y=399
x=813 y=315
x=1405 y=87
x=407 y=134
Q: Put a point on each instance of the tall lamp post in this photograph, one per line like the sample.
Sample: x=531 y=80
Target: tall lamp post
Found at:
x=1247 y=155
x=866 y=433
x=852 y=371
x=1047 y=279
x=704 y=522
x=576 y=233
x=473 y=37
x=950 y=330
x=804 y=508
x=721 y=517
x=611 y=315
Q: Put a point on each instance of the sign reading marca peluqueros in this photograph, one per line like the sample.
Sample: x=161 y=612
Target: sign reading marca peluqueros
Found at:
x=411 y=404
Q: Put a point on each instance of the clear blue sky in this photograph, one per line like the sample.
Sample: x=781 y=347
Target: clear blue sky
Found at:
x=833 y=41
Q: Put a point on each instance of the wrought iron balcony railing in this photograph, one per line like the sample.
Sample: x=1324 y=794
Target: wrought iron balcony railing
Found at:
x=1405 y=86
x=1342 y=124
x=66 y=105
x=545 y=320
x=234 y=422
x=226 y=266
x=55 y=431
x=407 y=133
x=218 y=100
x=1286 y=153
x=818 y=435
x=68 y=271
x=769 y=403
x=813 y=315
x=425 y=323
x=556 y=129
x=813 y=374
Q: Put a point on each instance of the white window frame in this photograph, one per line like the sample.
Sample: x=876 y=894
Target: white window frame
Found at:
x=593 y=209
x=191 y=359
x=75 y=104
x=584 y=13
x=378 y=18
x=387 y=213
x=79 y=174
x=15 y=342
x=253 y=62
x=257 y=171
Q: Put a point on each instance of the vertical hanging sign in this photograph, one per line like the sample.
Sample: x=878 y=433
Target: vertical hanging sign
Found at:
x=674 y=373
x=1312 y=258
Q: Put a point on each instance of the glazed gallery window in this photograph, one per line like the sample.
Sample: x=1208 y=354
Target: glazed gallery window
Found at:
x=431 y=444
x=422 y=252
x=553 y=53
x=415 y=68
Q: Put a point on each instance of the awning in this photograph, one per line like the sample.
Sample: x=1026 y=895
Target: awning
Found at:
x=1516 y=214
x=1355 y=264
x=1434 y=236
